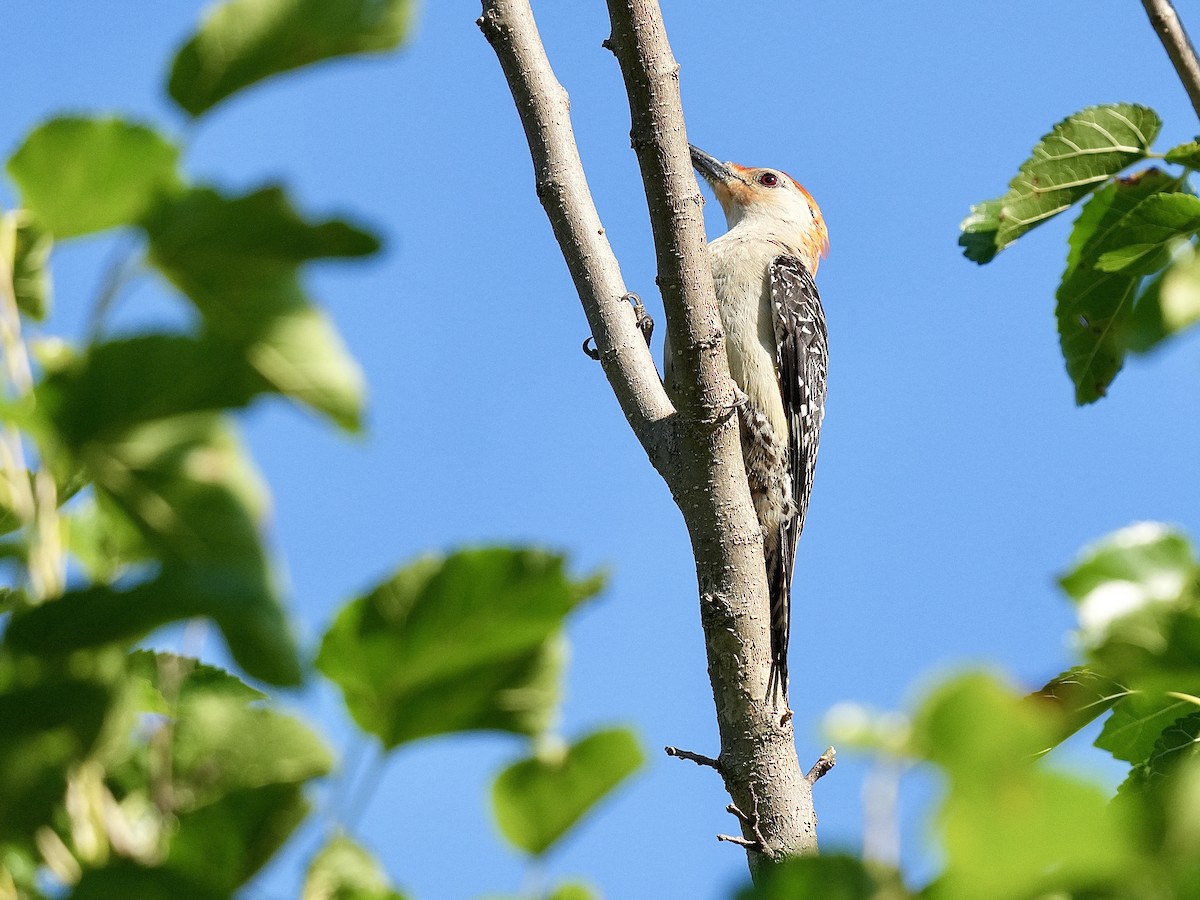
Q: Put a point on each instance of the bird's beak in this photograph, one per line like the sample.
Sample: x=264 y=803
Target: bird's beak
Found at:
x=714 y=171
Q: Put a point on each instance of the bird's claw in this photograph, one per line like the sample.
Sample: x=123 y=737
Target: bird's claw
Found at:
x=642 y=320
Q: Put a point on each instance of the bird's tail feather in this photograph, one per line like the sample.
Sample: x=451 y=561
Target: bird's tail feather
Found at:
x=779 y=582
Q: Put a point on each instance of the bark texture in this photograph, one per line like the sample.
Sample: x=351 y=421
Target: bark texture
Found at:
x=695 y=448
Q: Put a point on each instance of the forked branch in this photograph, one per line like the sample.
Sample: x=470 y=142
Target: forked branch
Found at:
x=696 y=449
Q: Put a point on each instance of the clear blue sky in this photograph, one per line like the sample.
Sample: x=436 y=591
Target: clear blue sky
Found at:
x=956 y=476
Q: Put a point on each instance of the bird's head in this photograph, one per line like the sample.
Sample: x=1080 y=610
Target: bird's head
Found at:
x=769 y=199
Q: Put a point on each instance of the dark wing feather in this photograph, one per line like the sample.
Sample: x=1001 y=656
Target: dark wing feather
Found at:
x=802 y=358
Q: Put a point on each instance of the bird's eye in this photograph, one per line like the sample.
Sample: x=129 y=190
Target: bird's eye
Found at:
x=768 y=179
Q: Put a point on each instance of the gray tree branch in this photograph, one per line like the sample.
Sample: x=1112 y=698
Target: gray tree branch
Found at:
x=1170 y=31
x=696 y=450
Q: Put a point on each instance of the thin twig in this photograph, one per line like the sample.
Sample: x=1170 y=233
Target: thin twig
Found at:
x=698 y=758
x=821 y=767
x=1170 y=31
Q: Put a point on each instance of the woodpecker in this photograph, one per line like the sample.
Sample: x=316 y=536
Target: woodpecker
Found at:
x=777 y=345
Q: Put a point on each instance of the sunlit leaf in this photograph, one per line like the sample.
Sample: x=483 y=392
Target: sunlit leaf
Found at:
x=29 y=256
x=343 y=870
x=1136 y=724
x=1169 y=303
x=1185 y=155
x=241 y=42
x=81 y=175
x=463 y=643
x=973 y=726
x=186 y=679
x=537 y=800
x=221 y=745
x=102 y=540
x=1142 y=244
x=1010 y=828
x=1080 y=154
x=1095 y=308
x=237 y=260
x=1078 y=696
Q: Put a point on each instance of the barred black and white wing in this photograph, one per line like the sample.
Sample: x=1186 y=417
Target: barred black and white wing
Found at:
x=802 y=359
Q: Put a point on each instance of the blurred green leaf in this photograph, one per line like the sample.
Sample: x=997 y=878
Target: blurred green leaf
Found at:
x=1138 y=614
x=343 y=870
x=1095 y=308
x=186 y=679
x=242 y=42
x=460 y=643
x=1136 y=724
x=256 y=631
x=1142 y=244
x=221 y=745
x=130 y=881
x=825 y=877
x=537 y=800
x=1185 y=155
x=973 y=726
x=102 y=540
x=236 y=259
x=1169 y=303
x=27 y=247
x=1010 y=828
x=119 y=384
x=52 y=718
x=1080 y=154
x=573 y=890
x=1076 y=697
x=82 y=175
x=1155 y=559
x=223 y=844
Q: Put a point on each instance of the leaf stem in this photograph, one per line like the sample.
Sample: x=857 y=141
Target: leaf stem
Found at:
x=1169 y=28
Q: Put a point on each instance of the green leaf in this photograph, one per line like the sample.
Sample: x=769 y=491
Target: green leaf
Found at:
x=1147 y=233
x=221 y=745
x=573 y=890
x=52 y=720
x=1138 y=608
x=1178 y=745
x=27 y=247
x=236 y=259
x=82 y=175
x=1144 y=563
x=1185 y=155
x=537 y=800
x=973 y=726
x=191 y=493
x=1080 y=154
x=1010 y=828
x=979 y=230
x=102 y=540
x=186 y=679
x=1136 y=723
x=461 y=643
x=120 y=384
x=130 y=881
x=1169 y=303
x=343 y=870
x=827 y=877
x=1078 y=696
x=244 y=41
x=1095 y=308
x=223 y=844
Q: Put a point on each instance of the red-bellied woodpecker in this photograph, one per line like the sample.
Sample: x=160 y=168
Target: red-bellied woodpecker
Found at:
x=775 y=338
